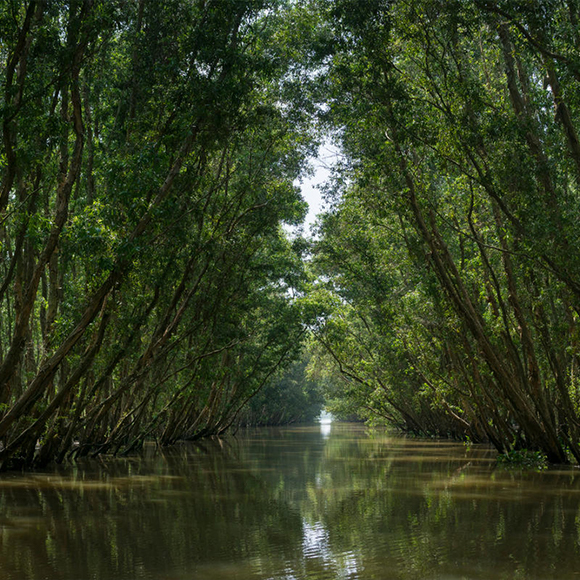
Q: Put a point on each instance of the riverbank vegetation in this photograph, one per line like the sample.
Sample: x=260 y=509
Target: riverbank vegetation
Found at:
x=452 y=247
x=149 y=158
x=147 y=288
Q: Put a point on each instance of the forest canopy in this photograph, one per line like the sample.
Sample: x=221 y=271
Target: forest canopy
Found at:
x=453 y=243
x=150 y=155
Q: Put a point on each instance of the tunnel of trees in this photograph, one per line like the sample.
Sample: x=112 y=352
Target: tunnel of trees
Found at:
x=149 y=288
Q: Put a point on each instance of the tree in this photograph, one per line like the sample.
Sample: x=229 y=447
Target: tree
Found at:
x=453 y=146
x=149 y=154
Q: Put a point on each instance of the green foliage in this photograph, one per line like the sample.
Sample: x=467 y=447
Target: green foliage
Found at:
x=149 y=159
x=290 y=397
x=450 y=246
x=523 y=458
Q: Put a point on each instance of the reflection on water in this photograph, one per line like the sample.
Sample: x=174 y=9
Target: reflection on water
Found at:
x=291 y=504
x=325 y=429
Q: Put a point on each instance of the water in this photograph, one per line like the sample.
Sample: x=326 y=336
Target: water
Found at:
x=324 y=502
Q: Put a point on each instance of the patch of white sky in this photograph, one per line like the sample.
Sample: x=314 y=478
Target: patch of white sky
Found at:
x=311 y=185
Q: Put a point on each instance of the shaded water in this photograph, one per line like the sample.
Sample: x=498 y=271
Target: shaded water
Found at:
x=293 y=503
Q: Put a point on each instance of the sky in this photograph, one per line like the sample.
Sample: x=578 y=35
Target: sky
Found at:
x=309 y=186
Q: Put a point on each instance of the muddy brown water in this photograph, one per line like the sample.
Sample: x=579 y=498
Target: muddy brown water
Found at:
x=324 y=502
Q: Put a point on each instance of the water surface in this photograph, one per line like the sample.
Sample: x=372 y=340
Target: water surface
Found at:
x=318 y=502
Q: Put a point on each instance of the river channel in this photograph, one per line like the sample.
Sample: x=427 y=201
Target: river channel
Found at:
x=323 y=502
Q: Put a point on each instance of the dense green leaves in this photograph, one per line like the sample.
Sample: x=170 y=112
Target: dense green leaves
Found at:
x=452 y=240
x=149 y=160
x=149 y=155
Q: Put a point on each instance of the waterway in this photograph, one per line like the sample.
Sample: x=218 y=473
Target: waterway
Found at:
x=323 y=502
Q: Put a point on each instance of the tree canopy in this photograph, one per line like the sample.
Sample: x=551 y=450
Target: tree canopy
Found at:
x=453 y=241
x=149 y=160
x=149 y=153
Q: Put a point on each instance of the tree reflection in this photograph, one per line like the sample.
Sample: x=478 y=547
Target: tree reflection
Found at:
x=290 y=503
